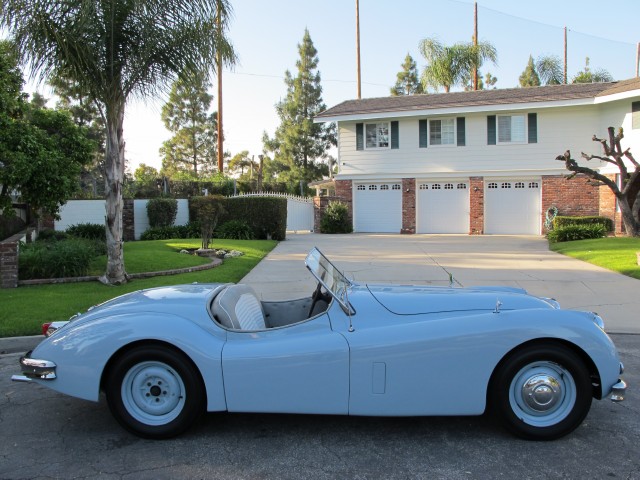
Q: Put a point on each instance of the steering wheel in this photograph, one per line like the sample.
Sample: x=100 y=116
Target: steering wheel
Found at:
x=317 y=295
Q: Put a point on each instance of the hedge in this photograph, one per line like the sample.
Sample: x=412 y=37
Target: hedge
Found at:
x=576 y=232
x=267 y=216
x=563 y=221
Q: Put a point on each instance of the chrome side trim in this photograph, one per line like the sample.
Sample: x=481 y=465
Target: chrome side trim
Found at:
x=34 y=368
x=20 y=378
x=618 y=391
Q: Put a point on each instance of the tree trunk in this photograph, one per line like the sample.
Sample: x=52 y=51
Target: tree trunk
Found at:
x=114 y=175
x=631 y=224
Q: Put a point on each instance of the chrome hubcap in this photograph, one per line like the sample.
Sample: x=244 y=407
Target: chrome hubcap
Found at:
x=541 y=392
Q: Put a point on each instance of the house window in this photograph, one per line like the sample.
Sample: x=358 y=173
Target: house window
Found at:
x=493 y=185
x=441 y=132
x=519 y=184
x=533 y=184
x=361 y=187
x=462 y=186
x=424 y=186
x=377 y=135
x=506 y=185
x=635 y=115
x=396 y=186
x=511 y=129
x=435 y=186
x=373 y=187
x=448 y=186
x=384 y=187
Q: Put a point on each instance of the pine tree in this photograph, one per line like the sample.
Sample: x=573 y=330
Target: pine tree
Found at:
x=299 y=144
x=407 y=81
x=193 y=147
x=530 y=77
x=85 y=113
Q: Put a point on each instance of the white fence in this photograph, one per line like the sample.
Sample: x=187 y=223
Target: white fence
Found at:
x=299 y=210
x=299 y=213
x=93 y=211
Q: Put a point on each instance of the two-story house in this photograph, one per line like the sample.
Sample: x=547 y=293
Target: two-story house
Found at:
x=477 y=162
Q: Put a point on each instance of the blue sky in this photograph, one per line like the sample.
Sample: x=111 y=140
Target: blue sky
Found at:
x=266 y=33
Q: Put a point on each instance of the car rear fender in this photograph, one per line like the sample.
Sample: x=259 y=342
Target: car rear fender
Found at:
x=82 y=351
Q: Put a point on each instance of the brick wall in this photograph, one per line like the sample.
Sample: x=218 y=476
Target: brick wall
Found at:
x=128 y=221
x=476 y=206
x=9 y=261
x=572 y=197
x=608 y=206
x=408 y=205
x=344 y=192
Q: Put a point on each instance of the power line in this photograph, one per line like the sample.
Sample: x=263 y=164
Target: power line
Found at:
x=280 y=77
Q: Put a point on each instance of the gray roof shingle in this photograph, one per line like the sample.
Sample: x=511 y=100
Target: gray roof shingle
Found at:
x=408 y=103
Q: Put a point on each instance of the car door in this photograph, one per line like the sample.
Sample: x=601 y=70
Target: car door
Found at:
x=301 y=368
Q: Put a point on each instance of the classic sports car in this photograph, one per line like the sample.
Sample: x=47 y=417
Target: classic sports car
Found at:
x=165 y=355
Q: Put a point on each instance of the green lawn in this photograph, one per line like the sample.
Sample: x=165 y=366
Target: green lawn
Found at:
x=614 y=253
x=24 y=309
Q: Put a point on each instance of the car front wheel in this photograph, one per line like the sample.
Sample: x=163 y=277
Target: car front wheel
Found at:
x=542 y=392
x=154 y=392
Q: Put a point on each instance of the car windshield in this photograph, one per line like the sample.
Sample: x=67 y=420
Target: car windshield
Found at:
x=328 y=275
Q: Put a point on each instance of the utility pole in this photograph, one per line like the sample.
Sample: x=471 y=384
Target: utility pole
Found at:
x=358 y=47
x=475 y=43
x=565 y=55
x=219 y=67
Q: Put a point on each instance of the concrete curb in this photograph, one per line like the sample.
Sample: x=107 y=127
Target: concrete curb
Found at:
x=19 y=344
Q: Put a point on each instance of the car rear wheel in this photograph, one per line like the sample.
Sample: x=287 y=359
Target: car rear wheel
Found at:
x=542 y=392
x=154 y=392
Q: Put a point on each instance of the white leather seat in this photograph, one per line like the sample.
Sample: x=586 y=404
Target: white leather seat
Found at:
x=237 y=307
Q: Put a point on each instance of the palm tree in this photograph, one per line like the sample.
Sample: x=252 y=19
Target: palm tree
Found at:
x=117 y=49
x=550 y=70
x=448 y=66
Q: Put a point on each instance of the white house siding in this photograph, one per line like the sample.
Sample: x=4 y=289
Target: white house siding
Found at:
x=616 y=114
x=558 y=129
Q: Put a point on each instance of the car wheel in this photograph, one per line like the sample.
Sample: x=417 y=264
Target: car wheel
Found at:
x=542 y=392
x=154 y=392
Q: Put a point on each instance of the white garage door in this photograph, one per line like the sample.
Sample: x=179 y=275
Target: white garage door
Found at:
x=378 y=208
x=512 y=207
x=443 y=207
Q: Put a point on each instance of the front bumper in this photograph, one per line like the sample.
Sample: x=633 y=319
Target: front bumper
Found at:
x=619 y=388
x=33 y=368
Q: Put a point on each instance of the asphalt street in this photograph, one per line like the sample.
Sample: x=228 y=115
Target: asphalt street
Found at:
x=48 y=435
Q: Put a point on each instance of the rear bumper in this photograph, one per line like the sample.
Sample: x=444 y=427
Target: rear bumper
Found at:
x=619 y=388
x=33 y=368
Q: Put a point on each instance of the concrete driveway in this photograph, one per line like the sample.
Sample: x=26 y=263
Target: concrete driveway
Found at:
x=518 y=261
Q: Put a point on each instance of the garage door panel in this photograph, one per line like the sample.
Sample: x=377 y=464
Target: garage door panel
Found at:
x=443 y=207
x=512 y=207
x=378 y=208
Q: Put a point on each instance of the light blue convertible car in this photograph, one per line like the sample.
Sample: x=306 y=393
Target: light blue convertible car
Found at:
x=164 y=356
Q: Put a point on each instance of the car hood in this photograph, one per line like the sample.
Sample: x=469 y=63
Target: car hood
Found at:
x=413 y=300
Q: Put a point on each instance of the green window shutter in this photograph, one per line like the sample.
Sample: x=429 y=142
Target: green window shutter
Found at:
x=635 y=115
x=533 y=127
x=491 y=129
x=423 y=134
x=460 y=125
x=359 y=136
x=395 y=142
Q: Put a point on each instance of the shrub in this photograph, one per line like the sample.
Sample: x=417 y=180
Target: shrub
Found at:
x=64 y=258
x=190 y=230
x=267 y=216
x=207 y=212
x=563 y=221
x=235 y=230
x=93 y=231
x=336 y=219
x=50 y=235
x=162 y=211
x=576 y=232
